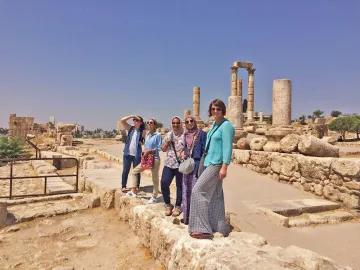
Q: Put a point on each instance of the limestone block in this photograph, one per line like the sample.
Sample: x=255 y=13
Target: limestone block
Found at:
x=107 y=197
x=243 y=144
x=260 y=159
x=307 y=259
x=312 y=146
x=249 y=129
x=314 y=167
x=285 y=165
x=351 y=201
x=260 y=131
x=352 y=185
x=331 y=193
x=328 y=139
x=3 y=213
x=241 y=156
x=257 y=144
x=289 y=143
x=64 y=128
x=272 y=146
x=318 y=189
x=66 y=140
x=346 y=167
x=118 y=138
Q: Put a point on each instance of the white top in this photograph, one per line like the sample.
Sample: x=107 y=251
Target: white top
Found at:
x=133 y=146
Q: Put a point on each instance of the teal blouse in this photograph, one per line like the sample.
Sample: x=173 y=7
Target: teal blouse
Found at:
x=221 y=144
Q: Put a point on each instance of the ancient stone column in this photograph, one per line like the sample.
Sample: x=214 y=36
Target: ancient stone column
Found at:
x=186 y=113
x=239 y=94
x=250 y=109
x=239 y=87
x=281 y=115
x=281 y=105
x=196 y=102
x=234 y=71
x=261 y=116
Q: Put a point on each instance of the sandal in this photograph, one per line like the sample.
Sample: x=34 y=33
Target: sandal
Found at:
x=125 y=190
x=176 y=212
x=184 y=222
x=198 y=235
x=168 y=210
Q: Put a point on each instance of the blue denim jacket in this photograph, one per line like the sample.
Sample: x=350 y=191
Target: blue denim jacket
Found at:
x=128 y=141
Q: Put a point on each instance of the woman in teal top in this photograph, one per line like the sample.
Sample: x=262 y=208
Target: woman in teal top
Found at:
x=207 y=209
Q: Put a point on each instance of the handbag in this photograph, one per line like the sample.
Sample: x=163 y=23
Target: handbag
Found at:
x=147 y=161
x=202 y=160
x=187 y=166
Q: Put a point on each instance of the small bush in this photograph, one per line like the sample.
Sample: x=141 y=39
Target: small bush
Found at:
x=11 y=147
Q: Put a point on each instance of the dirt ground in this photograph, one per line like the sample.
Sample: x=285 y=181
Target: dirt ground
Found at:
x=92 y=239
x=20 y=186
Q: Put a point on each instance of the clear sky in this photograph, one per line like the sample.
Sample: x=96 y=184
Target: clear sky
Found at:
x=93 y=62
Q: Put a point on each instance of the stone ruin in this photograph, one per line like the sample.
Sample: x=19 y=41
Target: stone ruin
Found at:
x=20 y=126
x=64 y=135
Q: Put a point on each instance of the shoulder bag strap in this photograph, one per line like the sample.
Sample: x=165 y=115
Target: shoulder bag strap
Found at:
x=208 y=144
x=173 y=145
x=193 y=142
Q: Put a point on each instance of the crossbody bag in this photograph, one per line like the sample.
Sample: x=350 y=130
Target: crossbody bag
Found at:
x=187 y=166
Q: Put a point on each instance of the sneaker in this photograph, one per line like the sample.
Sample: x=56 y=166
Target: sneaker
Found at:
x=131 y=194
x=152 y=200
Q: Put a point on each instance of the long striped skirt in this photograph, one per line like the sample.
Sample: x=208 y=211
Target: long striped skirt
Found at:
x=207 y=207
x=189 y=181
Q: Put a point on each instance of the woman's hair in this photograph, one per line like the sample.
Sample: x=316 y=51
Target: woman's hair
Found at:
x=218 y=103
x=142 y=125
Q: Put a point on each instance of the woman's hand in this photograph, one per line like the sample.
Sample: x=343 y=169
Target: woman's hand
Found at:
x=182 y=155
x=223 y=172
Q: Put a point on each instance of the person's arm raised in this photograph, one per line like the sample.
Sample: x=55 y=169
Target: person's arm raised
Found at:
x=124 y=123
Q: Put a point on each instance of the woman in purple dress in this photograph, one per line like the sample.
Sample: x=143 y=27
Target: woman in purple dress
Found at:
x=195 y=139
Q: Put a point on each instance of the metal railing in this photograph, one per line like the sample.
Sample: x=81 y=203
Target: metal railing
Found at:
x=45 y=177
x=38 y=152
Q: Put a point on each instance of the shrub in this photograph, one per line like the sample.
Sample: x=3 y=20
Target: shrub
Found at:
x=11 y=147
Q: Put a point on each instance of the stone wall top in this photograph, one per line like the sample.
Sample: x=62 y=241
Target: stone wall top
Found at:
x=243 y=64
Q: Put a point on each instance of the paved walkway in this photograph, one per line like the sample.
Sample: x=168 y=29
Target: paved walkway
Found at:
x=242 y=186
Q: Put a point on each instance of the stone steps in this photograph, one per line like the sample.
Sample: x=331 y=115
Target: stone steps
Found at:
x=28 y=211
x=56 y=185
x=328 y=217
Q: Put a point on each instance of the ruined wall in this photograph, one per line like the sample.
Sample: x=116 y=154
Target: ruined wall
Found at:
x=336 y=179
x=20 y=126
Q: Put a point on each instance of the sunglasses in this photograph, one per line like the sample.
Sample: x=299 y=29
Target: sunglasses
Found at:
x=216 y=109
x=150 y=123
x=189 y=121
x=135 y=120
x=176 y=123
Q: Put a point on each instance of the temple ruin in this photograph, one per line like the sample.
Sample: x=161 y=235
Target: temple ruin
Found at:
x=20 y=126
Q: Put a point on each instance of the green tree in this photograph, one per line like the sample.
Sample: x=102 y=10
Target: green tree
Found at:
x=245 y=105
x=355 y=127
x=318 y=113
x=335 y=113
x=343 y=125
x=302 y=119
x=160 y=125
x=11 y=147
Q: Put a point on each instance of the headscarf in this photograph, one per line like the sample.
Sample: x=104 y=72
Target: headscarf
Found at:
x=181 y=130
x=190 y=133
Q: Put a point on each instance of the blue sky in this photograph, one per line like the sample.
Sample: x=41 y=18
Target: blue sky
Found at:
x=93 y=62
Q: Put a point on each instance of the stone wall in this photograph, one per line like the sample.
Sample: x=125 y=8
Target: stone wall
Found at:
x=171 y=245
x=336 y=179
